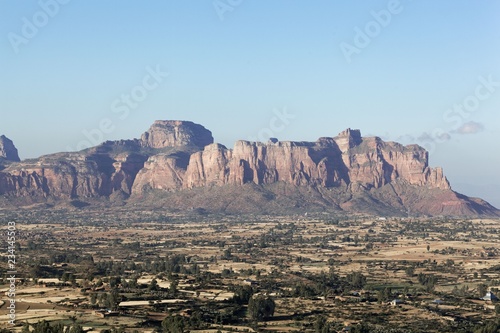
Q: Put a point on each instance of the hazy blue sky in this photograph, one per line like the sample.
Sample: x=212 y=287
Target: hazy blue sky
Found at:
x=424 y=72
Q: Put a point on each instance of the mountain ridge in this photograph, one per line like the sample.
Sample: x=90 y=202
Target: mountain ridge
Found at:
x=177 y=165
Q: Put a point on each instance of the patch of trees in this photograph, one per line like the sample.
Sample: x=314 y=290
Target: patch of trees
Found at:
x=321 y=325
x=410 y=271
x=174 y=324
x=70 y=258
x=491 y=327
x=356 y=280
x=242 y=294
x=261 y=307
x=428 y=281
x=45 y=327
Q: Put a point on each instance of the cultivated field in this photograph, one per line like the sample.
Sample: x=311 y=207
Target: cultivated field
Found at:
x=149 y=270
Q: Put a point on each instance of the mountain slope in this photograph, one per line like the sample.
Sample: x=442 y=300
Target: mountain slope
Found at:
x=176 y=165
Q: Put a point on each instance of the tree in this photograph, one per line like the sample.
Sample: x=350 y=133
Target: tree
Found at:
x=114 y=281
x=321 y=325
x=428 y=281
x=112 y=299
x=173 y=324
x=26 y=328
x=361 y=328
x=482 y=289
x=383 y=295
x=153 y=286
x=75 y=328
x=173 y=286
x=261 y=307
x=242 y=294
x=356 y=280
x=410 y=271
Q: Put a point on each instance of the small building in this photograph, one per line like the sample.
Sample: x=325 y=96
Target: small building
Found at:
x=106 y=313
x=490 y=297
x=250 y=282
x=396 y=302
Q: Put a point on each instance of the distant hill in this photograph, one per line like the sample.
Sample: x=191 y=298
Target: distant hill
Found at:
x=176 y=165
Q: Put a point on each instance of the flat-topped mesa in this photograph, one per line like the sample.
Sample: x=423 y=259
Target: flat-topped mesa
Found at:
x=176 y=133
x=8 y=150
x=346 y=171
x=348 y=139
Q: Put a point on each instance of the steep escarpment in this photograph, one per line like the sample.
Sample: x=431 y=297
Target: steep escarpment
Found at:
x=102 y=170
x=8 y=151
x=177 y=165
x=329 y=162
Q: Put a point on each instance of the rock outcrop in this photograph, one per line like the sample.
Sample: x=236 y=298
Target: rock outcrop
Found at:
x=172 y=133
x=7 y=149
x=329 y=162
x=179 y=159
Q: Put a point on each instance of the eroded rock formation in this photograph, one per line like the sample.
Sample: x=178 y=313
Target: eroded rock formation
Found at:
x=179 y=156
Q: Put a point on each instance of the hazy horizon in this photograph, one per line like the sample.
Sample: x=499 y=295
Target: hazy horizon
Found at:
x=407 y=71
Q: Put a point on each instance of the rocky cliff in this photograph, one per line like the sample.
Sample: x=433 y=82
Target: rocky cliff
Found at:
x=102 y=170
x=7 y=149
x=328 y=162
x=175 y=164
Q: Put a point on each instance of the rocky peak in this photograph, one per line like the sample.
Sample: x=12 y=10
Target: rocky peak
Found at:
x=348 y=139
x=8 y=150
x=176 y=133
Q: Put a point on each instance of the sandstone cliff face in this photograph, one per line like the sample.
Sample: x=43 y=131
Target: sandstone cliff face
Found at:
x=72 y=175
x=67 y=176
x=328 y=162
x=343 y=172
x=105 y=169
x=162 y=172
x=8 y=150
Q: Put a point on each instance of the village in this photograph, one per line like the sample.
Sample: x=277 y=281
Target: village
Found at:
x=152 y=271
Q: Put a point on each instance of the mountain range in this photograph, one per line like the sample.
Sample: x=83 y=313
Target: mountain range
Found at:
x=176 y=166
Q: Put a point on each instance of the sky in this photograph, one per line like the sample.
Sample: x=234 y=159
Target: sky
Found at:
x=75 y=73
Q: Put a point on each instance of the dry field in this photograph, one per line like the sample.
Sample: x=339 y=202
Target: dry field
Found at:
x=159 y=265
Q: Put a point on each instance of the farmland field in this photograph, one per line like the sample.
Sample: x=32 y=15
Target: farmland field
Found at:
x=139 y=271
